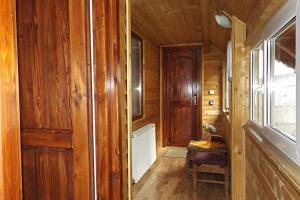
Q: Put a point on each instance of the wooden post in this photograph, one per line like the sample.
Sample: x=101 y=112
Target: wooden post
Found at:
x=107 y=99
x=239 y=108
x=10 y=153
x=129 y=97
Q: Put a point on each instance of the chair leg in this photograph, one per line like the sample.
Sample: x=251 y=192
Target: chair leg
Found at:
x=226 y=176
x=195 y=177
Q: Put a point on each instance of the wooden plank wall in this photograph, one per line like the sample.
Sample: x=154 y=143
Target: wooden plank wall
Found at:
x=264 y=172
x=53 y=76
x=212 y=75
x=151 y=85
x=10 y=144
x=227 y=130
x=262 y=13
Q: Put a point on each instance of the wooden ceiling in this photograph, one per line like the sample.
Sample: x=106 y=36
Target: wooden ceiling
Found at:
x=187 y=21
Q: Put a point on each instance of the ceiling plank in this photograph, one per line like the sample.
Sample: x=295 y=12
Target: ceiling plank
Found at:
x=188 y=21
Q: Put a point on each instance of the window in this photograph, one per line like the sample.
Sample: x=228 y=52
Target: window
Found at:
x=282 y=82
x=137 y=76
x=258 y=84
x=275 y=112
x=228 y=78
x=278 y=71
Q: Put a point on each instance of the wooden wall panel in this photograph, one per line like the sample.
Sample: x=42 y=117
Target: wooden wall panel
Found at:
x=212 y=75
x=151 y=85
x=259 y=17
x=265 y=176
x=53 y=68
x=10 y=147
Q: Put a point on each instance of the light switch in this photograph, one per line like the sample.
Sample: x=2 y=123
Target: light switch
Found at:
x=211 y=102
x=211 y=92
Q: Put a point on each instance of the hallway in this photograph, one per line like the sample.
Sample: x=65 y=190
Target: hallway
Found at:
x=170 y=179
x=95 y=95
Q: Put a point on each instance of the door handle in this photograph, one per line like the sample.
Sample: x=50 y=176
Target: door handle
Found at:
x=257 y=90
x=194 y=100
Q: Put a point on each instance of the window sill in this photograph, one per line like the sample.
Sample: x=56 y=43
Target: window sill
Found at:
x=287 y=167
x=138 y=119
x=284 y=144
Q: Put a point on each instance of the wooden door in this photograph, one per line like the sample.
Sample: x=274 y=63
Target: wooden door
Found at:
x=54 y=103
x=181 y=74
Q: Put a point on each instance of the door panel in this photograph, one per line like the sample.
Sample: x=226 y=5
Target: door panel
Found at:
x=181 y=94
x=46 y=174
x=182 y=120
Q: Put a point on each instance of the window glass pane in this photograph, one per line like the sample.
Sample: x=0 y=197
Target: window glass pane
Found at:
x=228 y=81
x=283 y=83
x=228 y=86
x=258 y=84
x=137 y=76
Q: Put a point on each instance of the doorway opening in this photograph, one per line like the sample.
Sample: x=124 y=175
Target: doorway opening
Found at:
x=176 y=82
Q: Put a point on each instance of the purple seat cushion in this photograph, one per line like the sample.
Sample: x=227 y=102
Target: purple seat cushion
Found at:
x=210 y=158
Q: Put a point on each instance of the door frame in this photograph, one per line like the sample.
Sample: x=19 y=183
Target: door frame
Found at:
x=10 y=141
x=163 y=90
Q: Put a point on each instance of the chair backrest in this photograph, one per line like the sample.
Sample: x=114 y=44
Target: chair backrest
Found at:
x=217 y=138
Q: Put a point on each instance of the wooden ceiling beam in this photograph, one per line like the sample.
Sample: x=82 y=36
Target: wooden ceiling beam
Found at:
x=205 y=4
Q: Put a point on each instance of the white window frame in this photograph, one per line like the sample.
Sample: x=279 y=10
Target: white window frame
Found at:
x=268 y=76
x=261 y=44
x=290 y=148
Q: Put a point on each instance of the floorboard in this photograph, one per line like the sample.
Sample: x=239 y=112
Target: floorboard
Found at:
x=170 y=179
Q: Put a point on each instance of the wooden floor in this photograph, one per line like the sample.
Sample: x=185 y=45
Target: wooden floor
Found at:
x=170 y=179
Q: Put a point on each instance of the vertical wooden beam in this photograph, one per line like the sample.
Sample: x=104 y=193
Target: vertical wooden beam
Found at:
x=107 y=99
x=10 y=153
x=79 y=99
x=240 y=107
x=205 y=16
x=129 y=96
x=124 y=46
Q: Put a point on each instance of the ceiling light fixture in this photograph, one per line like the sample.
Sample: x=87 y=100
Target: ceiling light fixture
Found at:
x=223 y=19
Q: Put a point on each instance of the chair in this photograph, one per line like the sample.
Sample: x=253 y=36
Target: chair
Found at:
x=216 y=144
x=211 y=162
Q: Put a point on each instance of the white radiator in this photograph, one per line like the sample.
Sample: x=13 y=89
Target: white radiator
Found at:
x=143 y=151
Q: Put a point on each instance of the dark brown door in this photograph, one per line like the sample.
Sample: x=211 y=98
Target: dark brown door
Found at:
x=181 y=94
x=53 y=77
